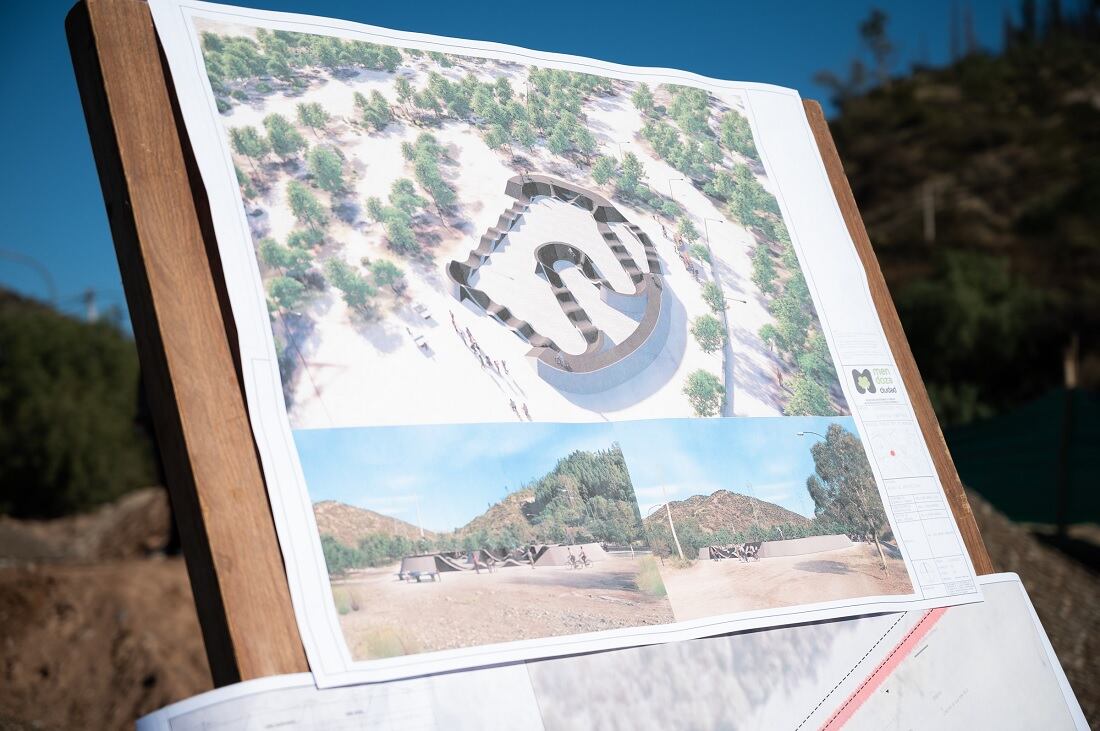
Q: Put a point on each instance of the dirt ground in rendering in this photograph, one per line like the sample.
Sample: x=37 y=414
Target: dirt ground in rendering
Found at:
x=719 y=587
x=382 y=617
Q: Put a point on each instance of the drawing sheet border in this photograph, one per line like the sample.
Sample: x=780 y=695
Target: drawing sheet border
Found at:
x=807 y=203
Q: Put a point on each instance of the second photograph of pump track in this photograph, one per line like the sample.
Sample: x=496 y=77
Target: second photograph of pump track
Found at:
x=602 y=361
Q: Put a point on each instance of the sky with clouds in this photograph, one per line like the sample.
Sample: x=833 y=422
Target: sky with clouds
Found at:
x=450 y=474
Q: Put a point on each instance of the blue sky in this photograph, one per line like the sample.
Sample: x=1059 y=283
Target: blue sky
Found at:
x=676 y=458
x=453 y=473
x=50 y=201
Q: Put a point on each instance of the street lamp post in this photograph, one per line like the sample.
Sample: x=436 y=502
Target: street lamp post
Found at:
x=804 y=433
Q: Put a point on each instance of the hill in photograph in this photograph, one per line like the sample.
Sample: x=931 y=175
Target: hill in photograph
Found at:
x=730 y=511
x=349 y=525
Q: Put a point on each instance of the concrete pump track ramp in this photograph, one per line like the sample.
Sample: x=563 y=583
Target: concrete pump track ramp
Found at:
x=603 y=363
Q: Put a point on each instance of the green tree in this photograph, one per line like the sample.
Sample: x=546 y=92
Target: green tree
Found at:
x=687 y=230
x=709 y=333
x=816 y=361
x=249 y=143
x=643 y=99
x=735 y=133
x=247 y=189
x=293 y=260
x=356 y=290
x=305 y=238
x=631 y=175
x=843 y=487
x=403 y=196
x=375 y=110
x=763 y=269
x=339 y=559
x=700 y=252
x=808 y=398
x=313 y=115
x=712 y=295
x=603 y=170
x=705 y=393
x=387 y=274
x=285 y=139
x=286 y=293
x=524 y=134
x=304 y=205
x=326 y=167
x=405 y=92
x=71 y=433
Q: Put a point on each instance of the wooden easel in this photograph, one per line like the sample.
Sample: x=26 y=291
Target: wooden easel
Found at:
x=159 y=219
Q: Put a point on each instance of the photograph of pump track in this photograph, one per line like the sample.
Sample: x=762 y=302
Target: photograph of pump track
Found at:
x=443 y=537
x=446 y=536
x=495 y=241
x=782 y=512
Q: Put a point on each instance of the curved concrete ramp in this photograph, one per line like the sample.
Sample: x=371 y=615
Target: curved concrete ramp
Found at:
x=604 y=363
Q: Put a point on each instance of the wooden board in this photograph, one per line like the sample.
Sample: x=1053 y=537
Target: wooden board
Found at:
x=186 y=342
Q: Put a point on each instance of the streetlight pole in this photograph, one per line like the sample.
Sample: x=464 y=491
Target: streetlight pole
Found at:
x=804 y=433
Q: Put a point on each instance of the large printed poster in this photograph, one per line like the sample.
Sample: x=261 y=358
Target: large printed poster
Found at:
x=535 y=351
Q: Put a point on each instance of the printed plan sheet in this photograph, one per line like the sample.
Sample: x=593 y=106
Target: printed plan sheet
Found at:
x=942 y=669
x=546 y=355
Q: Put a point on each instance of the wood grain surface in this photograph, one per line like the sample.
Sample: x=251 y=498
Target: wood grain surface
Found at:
x=202 y=428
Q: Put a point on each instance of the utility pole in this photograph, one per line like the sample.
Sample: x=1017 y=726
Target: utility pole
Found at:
x=419 y=521
x=671 y=527
x=91 y=312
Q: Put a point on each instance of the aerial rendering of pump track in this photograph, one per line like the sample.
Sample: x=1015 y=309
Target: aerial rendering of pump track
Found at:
x=630 y=298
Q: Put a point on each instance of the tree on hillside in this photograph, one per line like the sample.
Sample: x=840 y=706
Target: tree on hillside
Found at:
x=326 y=167
x=304 y=205
x=354 y=287
x=808 y=398
x=285 y=139
x=293 y=260
x=843 y=487
x=631 y=175
x=286 y=293
x=388 y=274
x=375 y=110
x=249 y=143
x=313 y=115
x=405 y=92
x=687 y=230
x=709 y=333
x=643 y=99
x=705 y=393
x=712 y=295
x=72 y=435
x=603 y=170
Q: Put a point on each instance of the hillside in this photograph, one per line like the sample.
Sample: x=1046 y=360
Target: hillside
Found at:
x=508 y=514
x=349 y=525
x=979 y=184
x=723 y=509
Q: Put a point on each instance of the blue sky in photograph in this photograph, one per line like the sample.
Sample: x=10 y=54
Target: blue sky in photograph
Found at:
x=56 y=243
x=676 y=458
x=452 y=472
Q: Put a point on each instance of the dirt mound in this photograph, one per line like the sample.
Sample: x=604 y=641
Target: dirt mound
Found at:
x=96 y=646
x=729 y=510
x=1065 y=595
x=134 y=525
x=508 y=513
x=349 y=524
